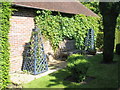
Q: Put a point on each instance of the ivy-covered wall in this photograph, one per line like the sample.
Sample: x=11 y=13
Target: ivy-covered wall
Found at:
x=56 y=27
x=5 y=13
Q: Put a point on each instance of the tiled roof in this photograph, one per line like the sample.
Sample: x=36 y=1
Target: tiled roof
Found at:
x=65 y=7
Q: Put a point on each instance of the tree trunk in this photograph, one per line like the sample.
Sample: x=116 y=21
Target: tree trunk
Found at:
x=109 y=22
x=110 y=13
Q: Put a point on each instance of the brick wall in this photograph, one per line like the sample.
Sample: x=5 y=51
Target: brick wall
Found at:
x=22 y=23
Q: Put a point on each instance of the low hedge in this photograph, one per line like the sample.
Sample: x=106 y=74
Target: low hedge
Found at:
x=78 y=66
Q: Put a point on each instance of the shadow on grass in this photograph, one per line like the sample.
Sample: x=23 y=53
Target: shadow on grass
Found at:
x=62 y=74
x=105 y=78
x=59 y=77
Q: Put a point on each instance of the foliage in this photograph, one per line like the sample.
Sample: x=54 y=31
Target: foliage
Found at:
x=117 y=33
x=99 y=40
x=78 y=66
x=56 y=28
x=94 y=6
x=117 y=37
x=5 y=13
x=118 y=23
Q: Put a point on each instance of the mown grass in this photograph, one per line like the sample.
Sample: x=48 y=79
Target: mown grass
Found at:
x=106 y=76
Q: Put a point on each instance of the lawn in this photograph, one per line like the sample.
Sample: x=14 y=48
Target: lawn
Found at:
x=106 y=76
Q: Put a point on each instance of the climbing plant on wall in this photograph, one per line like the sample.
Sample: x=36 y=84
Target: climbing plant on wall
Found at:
x=56 y=27
x=5 y=13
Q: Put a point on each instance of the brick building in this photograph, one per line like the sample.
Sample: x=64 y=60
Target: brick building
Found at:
x=22 y=23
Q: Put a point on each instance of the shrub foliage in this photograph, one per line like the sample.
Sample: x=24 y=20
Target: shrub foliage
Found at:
x=5 y=13
x=78 y=66
x=117 y=34
x=99 y=40
x=56 y=27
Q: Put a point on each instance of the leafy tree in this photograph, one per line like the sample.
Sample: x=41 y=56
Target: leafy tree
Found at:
x=110 y=12
x=94 y=6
